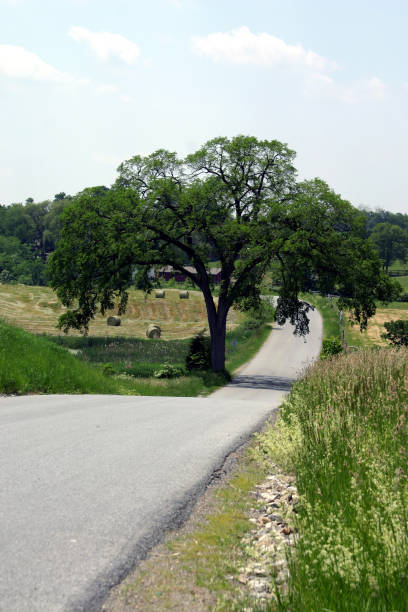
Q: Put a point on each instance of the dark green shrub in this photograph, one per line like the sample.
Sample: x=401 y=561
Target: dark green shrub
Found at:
x=199 y=353
x=330 y=347
x=397 y=332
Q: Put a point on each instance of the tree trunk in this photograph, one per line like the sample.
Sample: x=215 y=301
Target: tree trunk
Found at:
x=218 y=345
x=217 y=320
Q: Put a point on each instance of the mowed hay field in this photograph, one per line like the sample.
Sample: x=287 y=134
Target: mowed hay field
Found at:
x=372 y=335
x=36 y=309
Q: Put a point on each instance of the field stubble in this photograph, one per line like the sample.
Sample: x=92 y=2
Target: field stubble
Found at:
x=36 y=309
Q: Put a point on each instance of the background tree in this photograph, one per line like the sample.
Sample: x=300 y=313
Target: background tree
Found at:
x=28 y=233
x=236 y=199
x=374 y=217
x=391 y=242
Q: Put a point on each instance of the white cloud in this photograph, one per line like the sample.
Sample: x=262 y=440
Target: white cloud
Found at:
x=106 y=45
x=241 y=46
x=107 y=89
x=19 y=63
x=376 y=88
x=351 y=93
x=126 y=99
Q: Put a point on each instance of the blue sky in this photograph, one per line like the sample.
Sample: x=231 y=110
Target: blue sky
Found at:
x=85 y=84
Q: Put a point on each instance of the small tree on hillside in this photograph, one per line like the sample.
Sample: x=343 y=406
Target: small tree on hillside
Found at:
x=236 y=199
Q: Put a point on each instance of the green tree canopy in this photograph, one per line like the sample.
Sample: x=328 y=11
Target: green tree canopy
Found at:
x=234 y=198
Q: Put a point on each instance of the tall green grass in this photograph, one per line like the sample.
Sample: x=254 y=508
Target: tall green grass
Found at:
x=344 y=430
x=125 y=349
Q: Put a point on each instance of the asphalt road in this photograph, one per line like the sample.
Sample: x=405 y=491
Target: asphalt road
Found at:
x=90 y=483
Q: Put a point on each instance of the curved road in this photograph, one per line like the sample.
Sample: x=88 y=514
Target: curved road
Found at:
x=90 y=483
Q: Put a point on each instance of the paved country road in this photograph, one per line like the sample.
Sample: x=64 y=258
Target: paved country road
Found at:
x=88 y=484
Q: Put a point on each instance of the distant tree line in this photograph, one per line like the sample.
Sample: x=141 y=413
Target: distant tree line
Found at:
x=29 y=233
x=389 y=232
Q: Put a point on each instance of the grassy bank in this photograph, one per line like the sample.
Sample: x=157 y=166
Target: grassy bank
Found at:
x=33 y=364
x=344 y=432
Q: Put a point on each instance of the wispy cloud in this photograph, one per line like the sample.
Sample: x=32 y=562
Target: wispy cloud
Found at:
x=106 y=45
x=372 y=88
x=376 y=87
x=241 y=46
x=126 y=99
x=106 y=89
x=19 y=63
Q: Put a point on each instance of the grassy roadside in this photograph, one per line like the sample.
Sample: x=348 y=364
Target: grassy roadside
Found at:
x=329 y=311
x=346 y=438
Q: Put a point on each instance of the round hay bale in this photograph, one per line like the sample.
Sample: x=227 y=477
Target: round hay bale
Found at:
x=184 y=295
x=153 y=331
x=114 y=321
x=160 y=294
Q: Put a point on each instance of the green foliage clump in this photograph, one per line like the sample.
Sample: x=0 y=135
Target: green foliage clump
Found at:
x=199 y=353
x=108 y=369
x=397 y=332
x=331 y=347
x=167 y=370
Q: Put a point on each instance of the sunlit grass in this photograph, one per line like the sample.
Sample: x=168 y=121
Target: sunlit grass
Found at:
x=345 y=434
